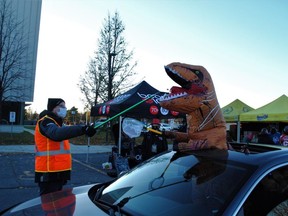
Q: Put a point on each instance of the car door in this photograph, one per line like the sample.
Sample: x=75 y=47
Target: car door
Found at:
x=270 y=196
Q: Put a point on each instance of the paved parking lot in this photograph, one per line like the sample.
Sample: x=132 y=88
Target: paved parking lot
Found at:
x=17 y=174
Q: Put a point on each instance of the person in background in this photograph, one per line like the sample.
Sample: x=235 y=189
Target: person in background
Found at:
x=284 y=137
x=248 y=138
x=229 y=137
x=115 y=131
x=182 y=128
x=153 y=143
x=127 y=143
x=275 y=136
x=264 y=137
x=53 y=160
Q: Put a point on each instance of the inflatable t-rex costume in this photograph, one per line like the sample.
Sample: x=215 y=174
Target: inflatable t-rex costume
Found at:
x=197 y=98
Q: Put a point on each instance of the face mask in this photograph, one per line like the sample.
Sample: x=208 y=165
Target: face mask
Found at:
x=62 y=112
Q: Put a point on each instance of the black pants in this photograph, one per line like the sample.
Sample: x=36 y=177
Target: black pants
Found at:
x=48 y=187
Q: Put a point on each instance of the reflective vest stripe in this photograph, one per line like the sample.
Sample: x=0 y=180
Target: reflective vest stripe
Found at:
x=45 y=153
x=52 y=153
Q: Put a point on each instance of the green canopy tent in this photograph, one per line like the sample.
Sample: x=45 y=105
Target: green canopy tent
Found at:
x=232 y=111
x=275 y=111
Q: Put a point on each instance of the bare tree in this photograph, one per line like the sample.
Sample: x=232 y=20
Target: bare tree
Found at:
x=91 y=84
x=13 y=62
x=110 y=71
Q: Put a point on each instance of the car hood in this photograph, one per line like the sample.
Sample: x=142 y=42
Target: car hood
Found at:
x=66 y=202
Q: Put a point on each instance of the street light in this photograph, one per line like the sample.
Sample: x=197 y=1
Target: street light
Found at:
x=110 y=70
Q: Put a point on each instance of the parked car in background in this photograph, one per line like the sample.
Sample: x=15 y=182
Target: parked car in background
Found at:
x=246 y=181
x=165 y=126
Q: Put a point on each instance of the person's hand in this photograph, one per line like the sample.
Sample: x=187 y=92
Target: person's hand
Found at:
x=89 y=130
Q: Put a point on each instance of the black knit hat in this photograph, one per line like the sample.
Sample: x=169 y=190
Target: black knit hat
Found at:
x=53 y=102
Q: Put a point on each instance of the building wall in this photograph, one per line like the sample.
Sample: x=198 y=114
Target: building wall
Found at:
x=28 y=12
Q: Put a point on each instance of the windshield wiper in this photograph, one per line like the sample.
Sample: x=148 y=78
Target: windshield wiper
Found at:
x=99 y=192
x=117 y=208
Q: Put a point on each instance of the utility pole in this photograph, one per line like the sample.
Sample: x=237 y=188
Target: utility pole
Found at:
x=110 y=70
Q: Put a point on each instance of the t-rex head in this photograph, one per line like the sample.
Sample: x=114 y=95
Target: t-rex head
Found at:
x=196 y=89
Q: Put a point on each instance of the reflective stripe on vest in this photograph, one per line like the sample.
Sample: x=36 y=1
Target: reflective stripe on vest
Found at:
x=61 y=151
x=51 y=156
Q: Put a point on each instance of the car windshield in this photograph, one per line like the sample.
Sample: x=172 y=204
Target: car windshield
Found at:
x=176 y=182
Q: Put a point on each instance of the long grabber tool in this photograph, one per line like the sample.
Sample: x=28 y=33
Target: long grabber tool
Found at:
x=133 y=127
x=126 y=110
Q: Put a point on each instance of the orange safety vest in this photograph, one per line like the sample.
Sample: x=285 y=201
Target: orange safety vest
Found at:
x=51 y=156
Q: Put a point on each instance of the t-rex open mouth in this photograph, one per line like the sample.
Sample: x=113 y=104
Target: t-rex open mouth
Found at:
x=187 y=86
x=176 y=77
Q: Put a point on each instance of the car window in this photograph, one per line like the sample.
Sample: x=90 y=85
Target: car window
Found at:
x=177 y=182
x=270 y=196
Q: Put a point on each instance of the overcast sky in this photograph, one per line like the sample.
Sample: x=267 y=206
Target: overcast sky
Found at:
x=243 y=44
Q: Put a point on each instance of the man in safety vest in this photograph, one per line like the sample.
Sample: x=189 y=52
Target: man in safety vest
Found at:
x=53 y=161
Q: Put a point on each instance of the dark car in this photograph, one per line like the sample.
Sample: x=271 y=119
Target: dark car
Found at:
x=248 y=180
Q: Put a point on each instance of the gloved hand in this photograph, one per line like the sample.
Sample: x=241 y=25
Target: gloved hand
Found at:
x=89 y=130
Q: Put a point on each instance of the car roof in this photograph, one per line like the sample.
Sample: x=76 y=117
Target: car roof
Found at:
x=250 y=154
x=258 y=154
